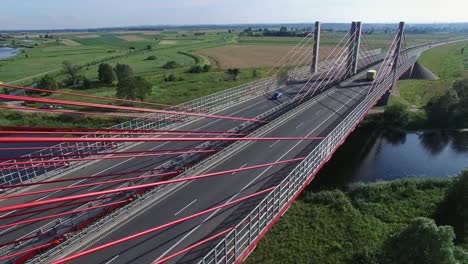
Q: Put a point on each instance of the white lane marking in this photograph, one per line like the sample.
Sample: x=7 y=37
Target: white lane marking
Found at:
x=245 y=108
x=276 y=142
x=318 y=112
x=114 y=258
x=239 y=168
x=180 y=211
x=245 y=187
x=300 y=125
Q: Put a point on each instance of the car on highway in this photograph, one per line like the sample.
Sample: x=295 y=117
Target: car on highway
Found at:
x=277 y=96
x=46 y=106
x=50 y=106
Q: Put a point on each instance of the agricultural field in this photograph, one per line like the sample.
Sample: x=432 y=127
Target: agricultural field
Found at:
x=252 y=56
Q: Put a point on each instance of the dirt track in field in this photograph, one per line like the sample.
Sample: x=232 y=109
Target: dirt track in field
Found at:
x=131 y=38
x=69 y=42
x=87 y=36
x=254 y=56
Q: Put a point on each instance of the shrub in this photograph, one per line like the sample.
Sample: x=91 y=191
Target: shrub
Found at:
x=152 y=57
x=195 y=69
x=171 y=65
x=170 y=78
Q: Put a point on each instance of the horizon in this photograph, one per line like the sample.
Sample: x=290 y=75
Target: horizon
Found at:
x=152 y=27
x=89 y=14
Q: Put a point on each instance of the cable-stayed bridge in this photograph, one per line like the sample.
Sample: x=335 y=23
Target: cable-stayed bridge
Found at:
x=201 y=182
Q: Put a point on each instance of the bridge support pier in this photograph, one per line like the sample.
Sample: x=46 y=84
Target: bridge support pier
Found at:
x=315 y=56
x=353 y=49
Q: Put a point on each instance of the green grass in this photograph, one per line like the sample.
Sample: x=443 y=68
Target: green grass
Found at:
x=15 y=118
x=337 y=226
x=447 y=62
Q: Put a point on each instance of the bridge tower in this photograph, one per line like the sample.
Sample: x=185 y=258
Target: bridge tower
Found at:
x=396 y=54
x=354 y=46
x=315 y=55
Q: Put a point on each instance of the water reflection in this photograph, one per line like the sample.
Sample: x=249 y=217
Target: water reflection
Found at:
x=371 y=156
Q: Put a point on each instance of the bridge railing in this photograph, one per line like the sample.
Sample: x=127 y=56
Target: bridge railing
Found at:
x=244 y=237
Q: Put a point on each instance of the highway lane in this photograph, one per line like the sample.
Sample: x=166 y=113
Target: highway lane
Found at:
x=250 y=108
x=203 y=194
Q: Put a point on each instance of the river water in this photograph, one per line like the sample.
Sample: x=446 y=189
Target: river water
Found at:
x=7 y=52
x=371 y=156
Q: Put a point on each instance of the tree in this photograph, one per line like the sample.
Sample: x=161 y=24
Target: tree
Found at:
x=72 y=71
x=123 y=71
x=441 y=110
x=134 y=88
x=422 y=241
x=106 y=73
x=453 y=210
x=48 y=82
x=149 y=47
x=395 y=115
x=233 y=73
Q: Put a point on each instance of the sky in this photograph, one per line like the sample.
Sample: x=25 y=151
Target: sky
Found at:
x=60 y=14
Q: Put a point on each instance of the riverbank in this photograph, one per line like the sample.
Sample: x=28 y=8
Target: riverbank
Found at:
x=6 y=52
x=351 y=225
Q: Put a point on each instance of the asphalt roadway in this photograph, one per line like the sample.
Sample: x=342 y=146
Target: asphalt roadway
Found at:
x=192 y=197
x=250 y=108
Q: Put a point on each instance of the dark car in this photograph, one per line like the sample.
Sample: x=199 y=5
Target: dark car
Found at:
x=46 y=106
x=277 y=96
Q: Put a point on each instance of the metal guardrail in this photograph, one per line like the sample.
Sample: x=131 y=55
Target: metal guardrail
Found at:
x=236 y=243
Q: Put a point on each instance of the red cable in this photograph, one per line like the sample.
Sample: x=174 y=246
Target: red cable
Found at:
x=122 y=131
x=51 y=111
x=50 y=208
x=87 y=185
x=97 y=154
x=126 y=108
x=157 y=228
x=75 y=179
x=78 y=139
x=93 y=96
x=204 y=241
x=55 y=242
x=99 y=158
x=62 y=214
x=125 y=189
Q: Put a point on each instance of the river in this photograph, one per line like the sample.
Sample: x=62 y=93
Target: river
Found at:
x=370 y=156
x=7 y=52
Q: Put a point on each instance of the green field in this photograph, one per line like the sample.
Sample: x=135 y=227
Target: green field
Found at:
x=445 y=61
x=178 y=46
x=345 y=226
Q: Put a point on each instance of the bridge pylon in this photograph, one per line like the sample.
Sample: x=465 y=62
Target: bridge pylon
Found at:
x=315 y=55
x=354 y=47
x=396 y=54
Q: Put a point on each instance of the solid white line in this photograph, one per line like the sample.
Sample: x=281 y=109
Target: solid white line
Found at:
x=239 y=168
x=114 y=258
x=248 y=185
x=180 y=211
x=274 y=143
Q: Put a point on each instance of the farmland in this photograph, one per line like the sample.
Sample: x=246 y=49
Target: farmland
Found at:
x=253 y=55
